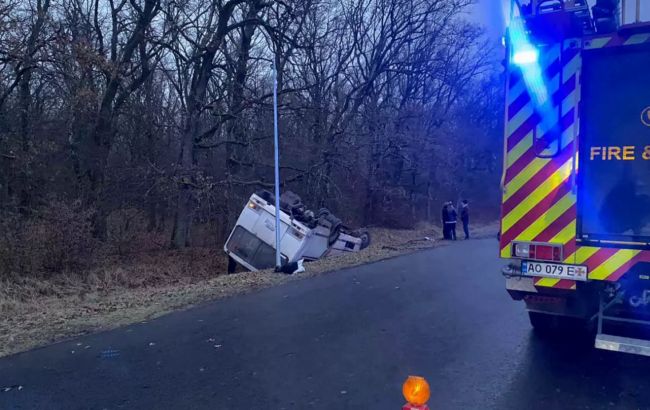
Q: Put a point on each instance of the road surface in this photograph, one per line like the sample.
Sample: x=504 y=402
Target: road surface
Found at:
x=345 y=340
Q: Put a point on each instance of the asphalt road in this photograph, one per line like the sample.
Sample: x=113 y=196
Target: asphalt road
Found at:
x=346 y=340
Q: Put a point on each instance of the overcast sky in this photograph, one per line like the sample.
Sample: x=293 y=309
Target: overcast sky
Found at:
x=490 y=14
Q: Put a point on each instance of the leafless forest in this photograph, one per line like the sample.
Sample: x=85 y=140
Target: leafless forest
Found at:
x=136 y=124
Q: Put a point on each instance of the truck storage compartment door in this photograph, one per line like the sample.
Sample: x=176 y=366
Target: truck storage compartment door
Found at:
x=614 y=164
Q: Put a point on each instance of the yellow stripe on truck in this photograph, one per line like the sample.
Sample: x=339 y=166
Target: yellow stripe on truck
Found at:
x=524 y=176
x=584 y=253
x=565 y=235
x=547 y=282
x=612 y=264
x=547 y=218
x=537 y=195
x=520 y=149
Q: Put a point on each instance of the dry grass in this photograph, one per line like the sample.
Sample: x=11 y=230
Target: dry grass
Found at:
x=37 y=312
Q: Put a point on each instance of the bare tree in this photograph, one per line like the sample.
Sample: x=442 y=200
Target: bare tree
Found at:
x=162 y=109
x=199 y=41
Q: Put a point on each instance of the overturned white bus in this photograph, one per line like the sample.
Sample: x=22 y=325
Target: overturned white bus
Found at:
x=303 y=233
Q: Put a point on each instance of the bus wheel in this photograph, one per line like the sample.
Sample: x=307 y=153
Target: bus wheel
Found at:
x=364 y=235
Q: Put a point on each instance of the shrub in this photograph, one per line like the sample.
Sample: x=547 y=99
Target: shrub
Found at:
x=126 y=231
x=59 y=237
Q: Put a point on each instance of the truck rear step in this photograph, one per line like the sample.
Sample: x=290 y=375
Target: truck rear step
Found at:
x=623 y=344
x=617 y=343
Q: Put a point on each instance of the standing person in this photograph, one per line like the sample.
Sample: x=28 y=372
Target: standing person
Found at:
x=464 y=216
x=445 y=218
x=452 y=221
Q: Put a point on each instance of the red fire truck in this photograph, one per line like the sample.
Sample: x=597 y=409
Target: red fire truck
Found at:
x=575 y=223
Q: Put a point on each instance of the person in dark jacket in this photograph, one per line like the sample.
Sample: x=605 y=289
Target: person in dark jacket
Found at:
x=452 y=221
x=445 y=218
x=464 y=217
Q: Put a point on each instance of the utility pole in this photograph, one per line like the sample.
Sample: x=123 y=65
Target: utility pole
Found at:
x=276 y=149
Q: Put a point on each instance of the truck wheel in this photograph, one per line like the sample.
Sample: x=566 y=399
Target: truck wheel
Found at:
x=554 y=325
x=365 y=238
x=335 y=232
x=544 y=324
x=334 y=224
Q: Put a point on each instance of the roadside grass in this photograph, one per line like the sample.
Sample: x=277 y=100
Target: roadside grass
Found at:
x=36 y=312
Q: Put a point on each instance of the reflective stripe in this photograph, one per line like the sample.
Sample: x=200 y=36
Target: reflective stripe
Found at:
x=533 y=167
x=597 y=43
x=637 y=39
x=520 y=149
x=537 y=195
x=547 y=218
x=547 y=282
x=612 y=264
x=585 y=252
x=566 y=234
x=524 y=176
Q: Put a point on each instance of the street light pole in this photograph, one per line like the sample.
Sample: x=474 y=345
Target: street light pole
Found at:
x=276 y=153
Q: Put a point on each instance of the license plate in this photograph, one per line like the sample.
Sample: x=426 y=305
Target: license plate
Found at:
x=554 y=270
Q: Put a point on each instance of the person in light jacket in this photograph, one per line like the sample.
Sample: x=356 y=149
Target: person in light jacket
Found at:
x=452 y=221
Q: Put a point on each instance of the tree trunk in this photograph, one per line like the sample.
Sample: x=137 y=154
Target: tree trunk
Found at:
x=24 y=102
x=185 y=206
x=202 y=73
x=183 y=219
x=235 y=152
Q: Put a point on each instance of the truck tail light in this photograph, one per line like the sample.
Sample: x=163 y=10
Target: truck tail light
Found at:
x=537 y=251
x=542 y=252
x=557 y=253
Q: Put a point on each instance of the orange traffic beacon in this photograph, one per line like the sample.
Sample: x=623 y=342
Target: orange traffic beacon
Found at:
x=416 y=391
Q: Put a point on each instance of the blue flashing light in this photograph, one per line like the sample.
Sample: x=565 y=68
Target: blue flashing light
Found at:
x=525 y=57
